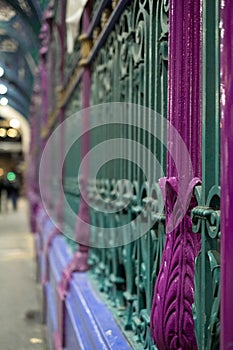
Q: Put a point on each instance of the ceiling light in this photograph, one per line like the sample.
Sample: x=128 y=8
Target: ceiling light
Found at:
x=2 y=132
x=3 y=101
x=15 y=123
x=36 y=341
x=3 y=89
x=12 y=133
x=1 y=71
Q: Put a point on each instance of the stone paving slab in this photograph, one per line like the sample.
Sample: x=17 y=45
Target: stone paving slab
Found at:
x=20 y=309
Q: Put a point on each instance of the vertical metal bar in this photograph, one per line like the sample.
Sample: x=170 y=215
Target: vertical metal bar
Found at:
x=62 y=37
x=226 y=175
x=171 y=317
x=60 y=205
x=184 y=94
x=201 y=322
x=82 y=235
x=210 y=96
x=210 y=165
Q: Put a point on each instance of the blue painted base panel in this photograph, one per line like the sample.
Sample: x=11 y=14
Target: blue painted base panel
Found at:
x=51 y=315
x=89 y=325
x=88 y=320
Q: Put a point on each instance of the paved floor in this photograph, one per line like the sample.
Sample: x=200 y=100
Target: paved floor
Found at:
x=20 y=319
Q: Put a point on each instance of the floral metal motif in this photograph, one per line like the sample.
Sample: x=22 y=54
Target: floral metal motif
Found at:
x=96 y=33
x=114 y=3
x=122 y=72
x=104 y=17
x=174 y=295
x=86 y=45
x=206 y=308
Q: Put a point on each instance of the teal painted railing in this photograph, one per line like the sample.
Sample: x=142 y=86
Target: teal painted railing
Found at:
x=128 y=59
x=122 y=72
x=70 y=181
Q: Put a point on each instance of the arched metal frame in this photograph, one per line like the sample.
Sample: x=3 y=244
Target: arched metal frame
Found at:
x=23 y=28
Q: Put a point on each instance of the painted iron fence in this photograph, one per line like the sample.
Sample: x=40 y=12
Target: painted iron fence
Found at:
x=141 y=62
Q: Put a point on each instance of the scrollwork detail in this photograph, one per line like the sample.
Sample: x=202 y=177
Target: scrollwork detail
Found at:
x=209 y=214
x=140 y=27
x=206 y=220
x=125 y=40
x=164 y=17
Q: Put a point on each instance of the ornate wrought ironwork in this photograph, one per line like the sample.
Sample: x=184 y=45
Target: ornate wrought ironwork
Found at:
x=128 y=59
x=122 y=71
x=71 y=187
x=206 y=308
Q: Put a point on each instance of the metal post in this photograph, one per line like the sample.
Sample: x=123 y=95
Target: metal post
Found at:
x=226 y=337
x=171 y=318
x=82 y=232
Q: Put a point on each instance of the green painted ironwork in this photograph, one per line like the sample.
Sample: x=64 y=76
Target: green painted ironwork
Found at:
x=71 y=188
x=123 y=72
x=132 y=66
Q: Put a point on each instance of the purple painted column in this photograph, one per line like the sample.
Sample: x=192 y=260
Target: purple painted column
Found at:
x=60 y=201
x=226 y=340
x=33 y=180
x=62 y=42
x=45 y=38
x=172 y=322
x=82 y=231
x=79 y=262
x=31 y=172
x=34 y=154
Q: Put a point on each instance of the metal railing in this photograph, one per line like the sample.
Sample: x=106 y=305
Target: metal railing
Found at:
x=129 y=62
x=122 y=72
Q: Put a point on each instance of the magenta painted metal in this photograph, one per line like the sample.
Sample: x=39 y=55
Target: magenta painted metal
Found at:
x=43 y=72
x=60 y=201
x=80 y=262
x=226 y=340
x=45 y=39
x=33 y=156
x=172 y=323
x=61 y=31
x=59 y=205
x=82 y=231
x=184 y=86
x=62 y=40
